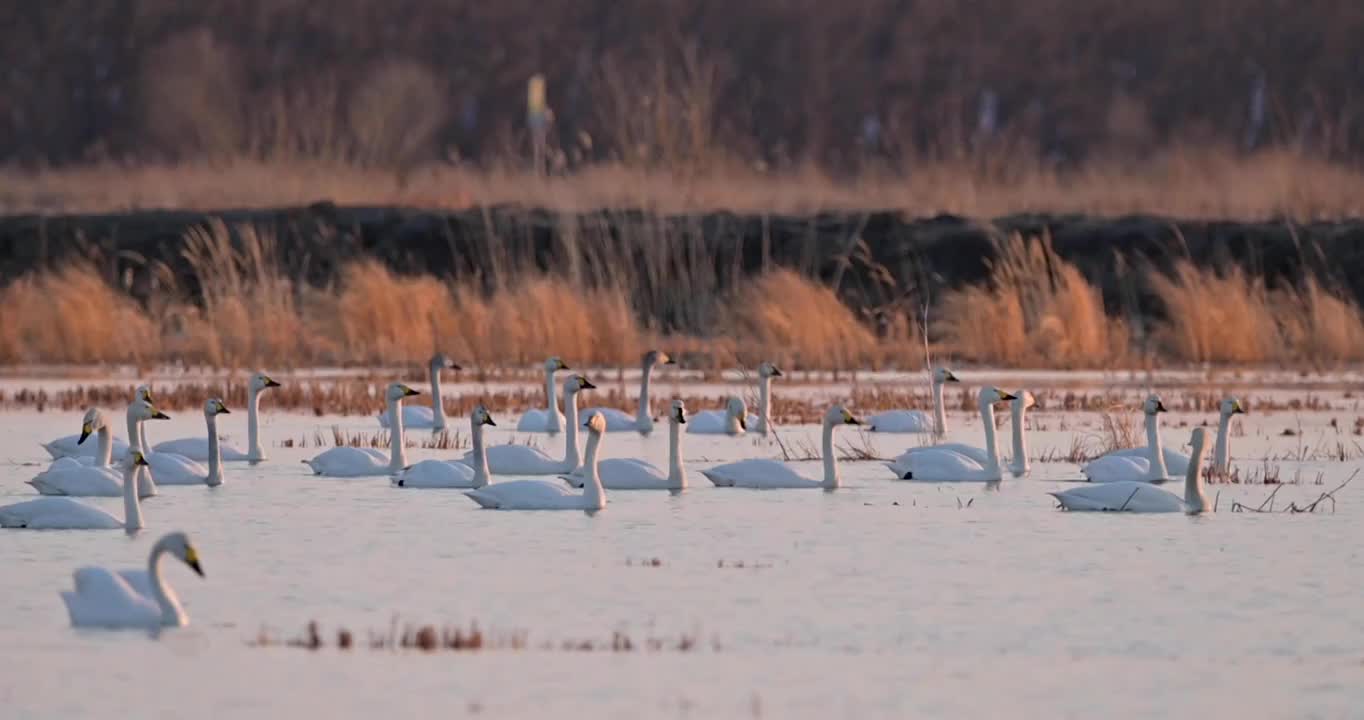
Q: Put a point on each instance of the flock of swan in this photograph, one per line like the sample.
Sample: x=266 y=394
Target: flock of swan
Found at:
x=1120 y=481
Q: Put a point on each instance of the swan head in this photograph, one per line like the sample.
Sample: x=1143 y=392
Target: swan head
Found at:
x=1024 y=399
x=1232 y=406
x=481 y=416
x=596 y=423
x=214 y=406
x=576 y=383
x=143 y=392
x=658 y=357
x=735 y=407
x=93 y=420
x=839 y=415
x=992 y=395
x=1153 y=405
x=441 y=361
x=398 y=391
x=144 y=410
x=554 y=364
x=768 y=370
x=179 y=546
x=260 y=381
x=678 y=412
x=943 y=375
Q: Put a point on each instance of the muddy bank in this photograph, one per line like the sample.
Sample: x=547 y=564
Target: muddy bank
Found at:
x=881 y=262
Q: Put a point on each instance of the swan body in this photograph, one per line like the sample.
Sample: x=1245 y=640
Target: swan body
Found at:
x=769 y=474
x=1018 y=464
x=545 y=495
x=421 y=417
x=956 y=463
x=733 y=420
x=526 y=460
x=549 y=420
x=64 y=513
x=1177 y=462
x=449 y=473
x=636 y=474
x=349 y=462
x=197 y=448
x=131 y=598
x=1149 y=468
x=72 y=446
x=916 y=421
x=642 y=421
x=1143 y=497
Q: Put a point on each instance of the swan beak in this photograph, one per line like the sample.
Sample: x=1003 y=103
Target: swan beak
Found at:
x=669 y=360
x=454 y=366
x=1160 y=406
x=853 y=420
x=585 y=384
x=222 y=409
x=563 y=366
x=1237 y=409
x=85 y=433
x=139 y=459
x=1006 y=396
x=409 y=392
x=743 y=423
x=488 y=420
x=776 y=371
x=192 y=560
x=158 y=415
x=271 y=383
x=680 y=417
x=950 y=377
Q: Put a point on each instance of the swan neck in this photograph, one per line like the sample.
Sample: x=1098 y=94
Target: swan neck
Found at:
x=437 y=407
x=1156 y=453
x=764 y=404
x=105 y=452
x=552 y=397
x=831 y=479
x=571 y=457
x=677 y=475
x=592 y=489
x=1194 y=501
x=135 y=433
x=1221 y=458
x=397 y=452
x=254 y=450
x=732 y=426
x=643 y=416
x=132 y=506
x=1020 y=461
x=987 y=416
x=171 y=612
x=480 y=456
x=215 y=452
x=939 y=416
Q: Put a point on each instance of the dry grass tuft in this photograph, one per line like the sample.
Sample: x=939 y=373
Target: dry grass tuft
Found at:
x=786 y=317
x=71 y=315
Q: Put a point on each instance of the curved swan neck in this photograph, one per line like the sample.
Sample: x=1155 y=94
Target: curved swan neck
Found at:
x=480 y=456
x=1020 y=460
x=437 y=407
x=1156 y=453
x=571 y=457
x=987 y=416
x=254 y=451
x=732 y=426
x=105 y=452
x=831 y=479
x=552 y=397
x=592 y=489
x=1221 y=457
x=132 y=507
x=397 y=459
x=215 y=452
x=1194 y=500
x=171 y=612
x=677 y=475
x=644 y=418
x=939 y=416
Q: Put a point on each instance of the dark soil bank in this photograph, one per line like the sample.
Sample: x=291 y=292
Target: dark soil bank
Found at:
x=881 y=262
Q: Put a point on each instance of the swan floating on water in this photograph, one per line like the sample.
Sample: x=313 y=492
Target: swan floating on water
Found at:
x=549 y=420
x=769 y=474
x=420 y=417
x=63 y=513
x=174 y=469
x=1177 y=462
x=635 y=474
x=526 y=460
x=643 y=420
x=350 y=462
x=1149 y=466
x=957 y=462
x=1142 y=497
x=132 y=598
x=473 y=473
x=70 y=445
x=70 y=476
x=733 y=420
x=1018 y=464
x=916 y=421
x=546 y=495
x=197 y=448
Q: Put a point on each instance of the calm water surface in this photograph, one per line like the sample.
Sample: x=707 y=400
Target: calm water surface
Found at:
x=883 y=599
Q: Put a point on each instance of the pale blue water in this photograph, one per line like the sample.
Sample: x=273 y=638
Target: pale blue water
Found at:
x=849 y=605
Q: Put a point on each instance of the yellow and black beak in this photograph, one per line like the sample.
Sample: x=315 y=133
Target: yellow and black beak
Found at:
x=950 y=377
x=776 y=371
x=1160 y=406
x=1006 y=396
x=743 y=423
x=139 y=459
x=1237 y=409
x=585 y=384
x=488 y=420
x=158 y=415
x=850 y=419
x=192 y=560
x=670 y=361
x=452 y=365
x=409 y=392
x=269 y=382
x=563 y=365
x=222 y=409
x=85 y=433
x=680 y=416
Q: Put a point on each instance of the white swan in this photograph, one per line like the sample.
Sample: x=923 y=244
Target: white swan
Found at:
x=635 y=474
x=174 y=469
x=916 y=421
x=549 y=420
x=770 y=474
x=69 y=476
x=350 y=462
x=546 y=495
x=643 y=420
x=1018 y=463
x=131 y=598
x=950 y=463
x=1177 y=462
x=451 y=473
x=526 y=460
x=196 y=448
x=422 y=417
x=63 y=513
x=1142 y=496
x=733 y=420
x=763 y=423
x=1149 y=467
x=71 y=446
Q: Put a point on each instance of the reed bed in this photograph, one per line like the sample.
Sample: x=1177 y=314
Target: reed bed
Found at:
x=426 y=638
